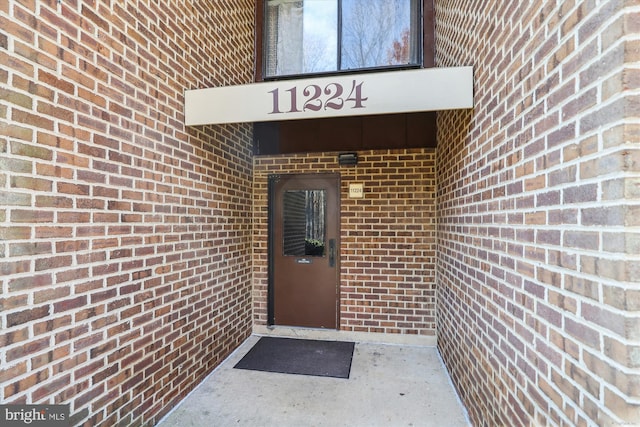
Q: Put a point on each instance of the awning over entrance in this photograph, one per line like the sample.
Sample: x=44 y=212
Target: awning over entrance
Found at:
x=429 y=89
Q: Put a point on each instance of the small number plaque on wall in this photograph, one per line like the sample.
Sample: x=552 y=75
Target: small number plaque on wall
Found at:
x=356 y=191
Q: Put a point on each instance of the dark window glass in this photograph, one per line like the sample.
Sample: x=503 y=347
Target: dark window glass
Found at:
x=304 y=222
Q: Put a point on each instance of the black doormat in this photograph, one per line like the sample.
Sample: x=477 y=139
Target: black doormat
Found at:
x=297 y=356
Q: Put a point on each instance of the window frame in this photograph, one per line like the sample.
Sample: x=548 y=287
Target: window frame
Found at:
x=426 y=49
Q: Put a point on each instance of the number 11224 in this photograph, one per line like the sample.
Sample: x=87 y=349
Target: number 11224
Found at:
x=316 y=98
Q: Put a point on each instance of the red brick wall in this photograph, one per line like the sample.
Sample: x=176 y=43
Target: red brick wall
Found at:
x=387 y=238
x=538 y=301
x=125 y=251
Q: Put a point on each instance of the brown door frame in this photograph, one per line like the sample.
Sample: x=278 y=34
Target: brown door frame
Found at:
x=272 y=182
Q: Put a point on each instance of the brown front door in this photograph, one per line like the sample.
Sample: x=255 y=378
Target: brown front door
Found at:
x=304 y=242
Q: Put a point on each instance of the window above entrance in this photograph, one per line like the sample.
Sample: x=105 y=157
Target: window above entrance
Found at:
x=317 y=97
x=327 y=36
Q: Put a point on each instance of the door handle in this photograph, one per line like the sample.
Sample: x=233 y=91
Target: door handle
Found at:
x=332 y=252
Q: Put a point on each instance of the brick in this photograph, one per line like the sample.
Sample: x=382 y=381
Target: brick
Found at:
x=609 y=216
x=580 y=194
x=15 y=233
x=69 y=304
x=30 y=282
x=29 y=216
x=29 y=248
x=53 y=232
x=53 y=262
x=28 y=183
x=69 y=188
x=581 y=239
x=25 y=316
x=71 y=275
x=16 y=98
x=15 y=198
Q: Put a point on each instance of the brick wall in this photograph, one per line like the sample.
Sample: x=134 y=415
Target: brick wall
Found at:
x=538 y=256
x=387 y=238
x=125 y=251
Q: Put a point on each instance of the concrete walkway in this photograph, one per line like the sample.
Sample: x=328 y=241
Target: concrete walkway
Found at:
x=390 y=385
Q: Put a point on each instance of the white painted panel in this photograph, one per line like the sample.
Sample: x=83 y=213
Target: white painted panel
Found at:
x=430 y=89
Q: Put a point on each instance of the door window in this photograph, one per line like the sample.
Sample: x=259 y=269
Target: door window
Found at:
x=304 y=223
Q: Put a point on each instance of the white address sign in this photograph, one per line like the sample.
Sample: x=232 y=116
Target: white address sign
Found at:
x=430 y=89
